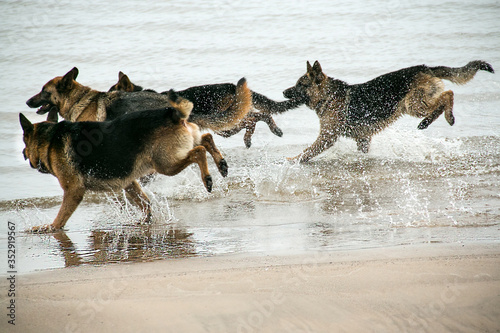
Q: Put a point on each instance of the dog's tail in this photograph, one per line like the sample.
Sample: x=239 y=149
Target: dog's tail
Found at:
x=237 y=110
x=461 y=75
x=180 y=104
x=267 y=105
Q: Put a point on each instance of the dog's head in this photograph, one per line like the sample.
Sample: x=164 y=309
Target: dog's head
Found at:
x=53 y=92
x=309 y=86
x=124 y=84
x=36 y=143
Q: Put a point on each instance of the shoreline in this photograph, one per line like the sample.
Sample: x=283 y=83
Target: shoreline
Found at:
x=429 y=287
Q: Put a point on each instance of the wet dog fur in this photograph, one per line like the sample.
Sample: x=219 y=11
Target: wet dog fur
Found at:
x=75 y=102
x=215 y=99
x=111 y=155
x=360 y=111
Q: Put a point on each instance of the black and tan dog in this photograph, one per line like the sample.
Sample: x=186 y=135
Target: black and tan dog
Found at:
x=75 y=102
x=361 y=110
x=219 y=107
x=214 y=99
x=111 y=155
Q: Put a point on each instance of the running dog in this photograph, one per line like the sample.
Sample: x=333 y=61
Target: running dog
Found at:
x=214 y=99
x=111 y=155
x=75 y=102
x=360 y=111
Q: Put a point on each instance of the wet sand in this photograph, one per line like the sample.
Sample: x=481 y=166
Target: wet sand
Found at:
x=430 y=287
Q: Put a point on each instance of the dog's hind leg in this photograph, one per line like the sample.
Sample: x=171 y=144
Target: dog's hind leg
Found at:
x=250 y=130
x=444 y=103
x=71 y=199
x=268 y=119
x=196 y=155
x=249 y=123
x=207 y=141
x=448 y=112
x=430 y=119
x=231 y=132
x=140 y=198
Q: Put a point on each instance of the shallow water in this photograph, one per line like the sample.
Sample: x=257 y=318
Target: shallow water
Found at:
x=434 y=186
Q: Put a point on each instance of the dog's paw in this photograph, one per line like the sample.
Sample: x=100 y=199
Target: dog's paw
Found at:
x=208 y=183
x=42 y=229
x=450 y=119
x=223 y=168
x=277 y=131
x=248 y=143
x=147 y=219
x=247 y=139
x=424 y=124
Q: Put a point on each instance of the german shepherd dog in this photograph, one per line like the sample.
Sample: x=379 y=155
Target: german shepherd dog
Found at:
x=214 y=99
x=111 y=155
x=75 y=102
x=361 y=110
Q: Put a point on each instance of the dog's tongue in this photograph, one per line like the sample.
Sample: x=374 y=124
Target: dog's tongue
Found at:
x=44 y=109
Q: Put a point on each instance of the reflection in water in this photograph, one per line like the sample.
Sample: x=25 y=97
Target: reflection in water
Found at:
x=68 y=249
x=341 y=201
x=141 y=243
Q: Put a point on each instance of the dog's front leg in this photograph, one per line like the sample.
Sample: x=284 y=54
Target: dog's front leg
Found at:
x=140 y=198
x=324 y=141
x=71 y=199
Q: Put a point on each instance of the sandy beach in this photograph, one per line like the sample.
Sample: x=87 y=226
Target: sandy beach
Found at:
x=428 y=288
x=404 y=238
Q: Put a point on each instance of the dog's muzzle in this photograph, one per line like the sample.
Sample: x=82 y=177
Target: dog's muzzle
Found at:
x=290 y=93
x=35 y=101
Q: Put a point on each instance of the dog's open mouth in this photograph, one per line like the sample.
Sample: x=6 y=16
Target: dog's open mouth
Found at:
x=44 y=108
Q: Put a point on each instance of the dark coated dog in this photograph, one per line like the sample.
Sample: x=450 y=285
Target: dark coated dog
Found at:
x=359 y=111
x=75 y=102
x=111 y=155
x=214 y=99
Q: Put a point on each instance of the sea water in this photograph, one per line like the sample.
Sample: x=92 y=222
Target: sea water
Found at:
x=439 y=185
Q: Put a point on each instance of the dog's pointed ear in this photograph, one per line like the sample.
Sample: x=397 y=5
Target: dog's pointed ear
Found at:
x=68 y=78
x=308 y=67
x=120 y=74
x=317 y=67
x=25 y=123
x=73 y=73
x=317 y=72
x=125 y=84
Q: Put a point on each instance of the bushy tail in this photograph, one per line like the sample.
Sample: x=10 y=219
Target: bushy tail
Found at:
x=238 y=108
x=264 y=104
x=461 y=75
x=243 y=99
x=180 y=104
